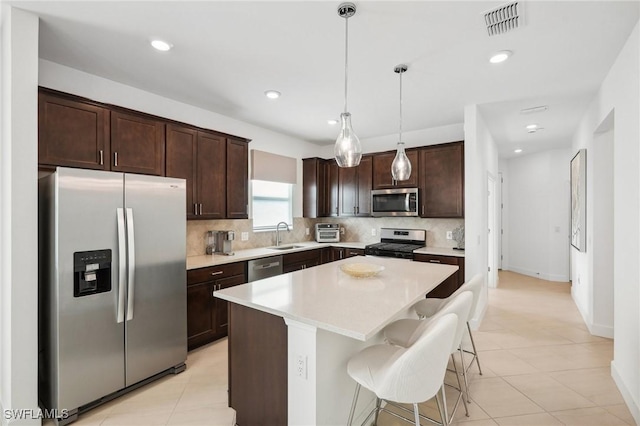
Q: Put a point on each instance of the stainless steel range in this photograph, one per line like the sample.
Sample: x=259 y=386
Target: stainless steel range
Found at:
x=397 y=243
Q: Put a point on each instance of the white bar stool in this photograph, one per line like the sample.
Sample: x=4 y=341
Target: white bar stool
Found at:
x=426 y=308
x=406 y=375
x=404 y=332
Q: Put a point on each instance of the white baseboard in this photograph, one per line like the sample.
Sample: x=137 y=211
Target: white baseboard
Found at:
x=632 y=405
x=599 y=330
x=543 y=276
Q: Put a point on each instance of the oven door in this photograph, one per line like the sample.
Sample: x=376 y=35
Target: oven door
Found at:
x=394 y=202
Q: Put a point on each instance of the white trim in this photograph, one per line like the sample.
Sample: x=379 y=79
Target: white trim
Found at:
x=548 y=277
x=634 y=409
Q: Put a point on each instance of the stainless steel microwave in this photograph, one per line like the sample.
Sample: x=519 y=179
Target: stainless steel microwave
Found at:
x=394 y=202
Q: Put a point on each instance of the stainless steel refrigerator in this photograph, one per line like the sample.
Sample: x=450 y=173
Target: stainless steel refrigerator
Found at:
x=112 y=300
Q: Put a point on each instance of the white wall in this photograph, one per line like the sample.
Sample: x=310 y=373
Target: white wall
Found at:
x=537 y=226
x=480 y=160
x=69 y=80
x=619 y=93
x=19 y=215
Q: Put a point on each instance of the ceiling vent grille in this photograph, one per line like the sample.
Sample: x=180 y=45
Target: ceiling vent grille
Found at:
x=505 y=18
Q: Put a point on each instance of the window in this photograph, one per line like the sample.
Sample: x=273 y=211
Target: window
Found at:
x=271 y=203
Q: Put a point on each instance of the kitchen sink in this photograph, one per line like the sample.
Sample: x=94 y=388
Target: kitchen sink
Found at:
x=285 y=247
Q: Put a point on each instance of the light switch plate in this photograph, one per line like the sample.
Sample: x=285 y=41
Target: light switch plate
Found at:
x=306 y=231
x=449 y=235
x=373 y=232
x=244 y=236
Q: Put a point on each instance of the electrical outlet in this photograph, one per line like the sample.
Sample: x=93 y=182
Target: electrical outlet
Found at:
x=306 y=231
x=301 y=366
x=373 y=232
x=449 y=235
x=341 y=231
x=244 y=236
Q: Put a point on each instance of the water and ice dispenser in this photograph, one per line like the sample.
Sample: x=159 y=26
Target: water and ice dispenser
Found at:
x=91 y=272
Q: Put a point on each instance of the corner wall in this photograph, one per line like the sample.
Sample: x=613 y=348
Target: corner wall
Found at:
x=620 y=94
x=19 y=218
x=480 y=161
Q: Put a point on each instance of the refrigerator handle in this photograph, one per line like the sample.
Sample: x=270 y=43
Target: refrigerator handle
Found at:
x=131 y=257
x=122 y=264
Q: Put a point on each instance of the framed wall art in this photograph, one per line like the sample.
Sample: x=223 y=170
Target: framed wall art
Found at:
x=579 y=200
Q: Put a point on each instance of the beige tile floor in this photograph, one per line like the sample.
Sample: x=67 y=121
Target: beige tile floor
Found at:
x=541 y=367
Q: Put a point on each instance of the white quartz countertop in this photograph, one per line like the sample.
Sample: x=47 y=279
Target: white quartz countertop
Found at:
x=327 y=298
x=203 y=261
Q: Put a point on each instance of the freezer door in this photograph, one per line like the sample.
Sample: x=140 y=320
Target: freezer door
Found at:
x=156 y=317
x=85 y=341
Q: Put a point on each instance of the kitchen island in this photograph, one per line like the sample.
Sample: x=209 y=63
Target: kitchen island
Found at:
x=290 y=337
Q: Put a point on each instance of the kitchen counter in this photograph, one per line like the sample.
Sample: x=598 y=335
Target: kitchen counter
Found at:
x=291 y=336
x=203 y=261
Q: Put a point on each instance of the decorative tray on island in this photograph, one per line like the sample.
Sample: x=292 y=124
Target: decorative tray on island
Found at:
x=361 y=270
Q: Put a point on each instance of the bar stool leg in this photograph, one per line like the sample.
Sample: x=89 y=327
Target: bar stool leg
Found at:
x=464 y=401
x=416 y=414
x=475 y=351
x=378 y=402
x=464 y=373
x=353 y=404
x=442 y=406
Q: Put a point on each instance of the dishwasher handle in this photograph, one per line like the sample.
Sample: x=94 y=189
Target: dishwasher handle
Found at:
x=267 y=265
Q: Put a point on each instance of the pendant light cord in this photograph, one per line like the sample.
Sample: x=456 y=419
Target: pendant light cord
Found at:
x=400 y=141
x=346 y=61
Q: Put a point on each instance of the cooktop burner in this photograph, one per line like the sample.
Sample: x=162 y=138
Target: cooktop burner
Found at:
x=397 y=243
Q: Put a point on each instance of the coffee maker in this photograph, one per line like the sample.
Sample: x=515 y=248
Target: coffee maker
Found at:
x=220 y=242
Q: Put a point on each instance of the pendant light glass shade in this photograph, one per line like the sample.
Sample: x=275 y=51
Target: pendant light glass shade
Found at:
x=401 y=166
x=347 y=150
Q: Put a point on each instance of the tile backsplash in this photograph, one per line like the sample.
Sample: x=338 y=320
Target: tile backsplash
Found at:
x=356 y=229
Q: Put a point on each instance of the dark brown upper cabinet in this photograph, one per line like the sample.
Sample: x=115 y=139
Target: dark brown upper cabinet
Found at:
x=315 y=184
x=382 y=178
x=72 y=133
x=137 y=144
x=441 y=181
x=237 y=178
x=354 y=188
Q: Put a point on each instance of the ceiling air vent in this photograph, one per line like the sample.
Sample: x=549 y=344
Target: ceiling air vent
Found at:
x=505 y=18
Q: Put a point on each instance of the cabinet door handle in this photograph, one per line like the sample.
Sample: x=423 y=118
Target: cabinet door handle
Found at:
x=216 y=273
x=434 y=261
x=195 y=209
x=423 y=209
x=115 y=158
x=352 y=253
x=101 y=157
x=200 y=208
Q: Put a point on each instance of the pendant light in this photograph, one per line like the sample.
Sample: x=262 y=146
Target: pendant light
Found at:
x=347 y=150
x=401 y=166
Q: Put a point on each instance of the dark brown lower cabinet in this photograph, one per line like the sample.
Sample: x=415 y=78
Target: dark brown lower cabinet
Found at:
x=452 y=283
x=258 y=388
x=300 y=260
x=207 y=316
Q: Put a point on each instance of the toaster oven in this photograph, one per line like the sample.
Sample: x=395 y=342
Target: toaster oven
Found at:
x=327 y=232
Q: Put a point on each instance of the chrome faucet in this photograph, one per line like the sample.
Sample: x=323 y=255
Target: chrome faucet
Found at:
x=278 y=231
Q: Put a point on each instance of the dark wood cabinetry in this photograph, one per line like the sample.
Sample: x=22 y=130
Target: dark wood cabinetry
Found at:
x=354 y=188
x=451 y=284
x=315 y=183
x=300 y=260
x=207 y=315
x=333 y=193
x=137 y=144
x=339 y=253
x=382 y=178
x=72 y=133
x=237 y=178
x=441 y=180
x=200 y=158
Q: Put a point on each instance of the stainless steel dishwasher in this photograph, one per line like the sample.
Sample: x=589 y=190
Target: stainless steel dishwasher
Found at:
x=264 y=268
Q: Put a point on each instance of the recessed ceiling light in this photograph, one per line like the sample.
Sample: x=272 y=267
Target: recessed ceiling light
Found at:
x=532 y=126
x=272 y=94
x=500 y=56
x=517 y=151
x=332 y=122
x=160 y=45
x=534 y=129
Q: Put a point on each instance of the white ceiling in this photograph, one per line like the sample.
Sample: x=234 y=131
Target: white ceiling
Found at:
x=226 y=54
